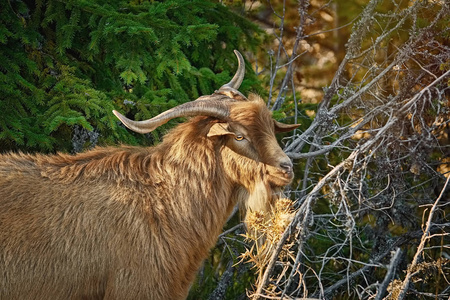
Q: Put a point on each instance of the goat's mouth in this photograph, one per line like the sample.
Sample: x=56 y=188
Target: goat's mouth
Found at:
x=287 y=175
x=278 y=176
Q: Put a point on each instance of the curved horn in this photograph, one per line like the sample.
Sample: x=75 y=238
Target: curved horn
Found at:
x=212 y=108
x=236 y=81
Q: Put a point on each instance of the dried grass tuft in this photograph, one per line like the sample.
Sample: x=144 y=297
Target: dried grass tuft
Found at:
x=264 y=231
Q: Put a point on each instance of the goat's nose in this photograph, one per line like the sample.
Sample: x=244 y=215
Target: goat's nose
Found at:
x=287 y=166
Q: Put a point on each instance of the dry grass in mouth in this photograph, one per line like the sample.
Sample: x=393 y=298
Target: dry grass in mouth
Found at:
x=264 y=231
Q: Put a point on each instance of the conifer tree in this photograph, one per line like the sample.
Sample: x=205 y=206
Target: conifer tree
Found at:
x=64 y=65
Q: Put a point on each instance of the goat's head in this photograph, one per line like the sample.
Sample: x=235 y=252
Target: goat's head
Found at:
x=244 y=126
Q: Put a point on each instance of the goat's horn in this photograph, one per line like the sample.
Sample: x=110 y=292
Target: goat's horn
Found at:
x=212 y=108
x=236 y=81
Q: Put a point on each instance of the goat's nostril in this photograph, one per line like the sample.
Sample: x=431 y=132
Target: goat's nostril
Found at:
x=287 y=166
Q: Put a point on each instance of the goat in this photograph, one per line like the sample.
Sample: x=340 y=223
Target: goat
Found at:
x=136 y=222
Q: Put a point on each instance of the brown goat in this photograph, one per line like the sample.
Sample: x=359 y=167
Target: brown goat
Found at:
x=133 y=222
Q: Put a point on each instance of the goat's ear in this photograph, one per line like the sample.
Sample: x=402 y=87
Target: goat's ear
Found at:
x=219 y=129
x=281 y=127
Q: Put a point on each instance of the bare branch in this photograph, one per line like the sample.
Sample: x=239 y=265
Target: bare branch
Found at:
x=395 y=260
x=425 y=238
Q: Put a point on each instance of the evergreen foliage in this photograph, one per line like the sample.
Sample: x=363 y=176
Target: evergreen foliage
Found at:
x=67 y=64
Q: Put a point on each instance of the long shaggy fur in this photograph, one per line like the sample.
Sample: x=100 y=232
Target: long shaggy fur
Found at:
x=128 y=222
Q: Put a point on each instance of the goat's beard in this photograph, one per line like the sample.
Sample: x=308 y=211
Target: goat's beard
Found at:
x=260 y=200
x=263 y=197
x=265 y=190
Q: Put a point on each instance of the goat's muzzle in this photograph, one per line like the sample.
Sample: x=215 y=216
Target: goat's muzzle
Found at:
x=287 y=167
x=282 y=175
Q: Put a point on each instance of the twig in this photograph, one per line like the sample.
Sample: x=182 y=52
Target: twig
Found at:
x=390 y=272
x=303 y=214
x=425 y=238
x=225 y=281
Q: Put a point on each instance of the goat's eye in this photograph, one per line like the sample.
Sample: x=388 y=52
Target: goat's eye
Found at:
x=239 y=138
